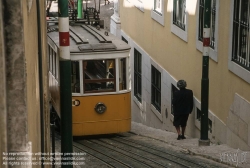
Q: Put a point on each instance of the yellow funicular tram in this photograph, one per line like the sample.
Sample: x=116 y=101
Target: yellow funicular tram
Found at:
x=100 y=78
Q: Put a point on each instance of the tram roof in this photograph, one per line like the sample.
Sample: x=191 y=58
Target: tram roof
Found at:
x=87 y=38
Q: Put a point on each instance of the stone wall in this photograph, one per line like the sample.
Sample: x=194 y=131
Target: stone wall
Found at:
x=238 y=122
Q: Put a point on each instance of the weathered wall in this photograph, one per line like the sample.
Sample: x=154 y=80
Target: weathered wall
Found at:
x=3 y=108
x=32 y=54
x=21 y=74
x=16 y=77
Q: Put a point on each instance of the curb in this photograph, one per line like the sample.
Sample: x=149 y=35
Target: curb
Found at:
x=188 y=151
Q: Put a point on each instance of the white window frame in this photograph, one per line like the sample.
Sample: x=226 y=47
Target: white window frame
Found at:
x=213 y=53
x=159 y=110
x=232 y=66
x=140 y=50
x=152 y=107
x=139 y=5
x=158 y=15
x=135 y=94
x=158 y=6
x=177 y=30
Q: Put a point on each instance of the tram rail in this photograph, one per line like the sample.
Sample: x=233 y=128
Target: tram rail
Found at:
x=128 y=150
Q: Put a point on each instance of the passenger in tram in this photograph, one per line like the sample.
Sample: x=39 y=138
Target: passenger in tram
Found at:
x=99 y=70
x=106 y=1
x=183 y=106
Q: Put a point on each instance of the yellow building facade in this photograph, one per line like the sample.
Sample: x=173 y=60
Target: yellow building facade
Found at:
x=166 y=45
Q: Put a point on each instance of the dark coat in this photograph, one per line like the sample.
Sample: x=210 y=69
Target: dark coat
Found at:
x=183 y=101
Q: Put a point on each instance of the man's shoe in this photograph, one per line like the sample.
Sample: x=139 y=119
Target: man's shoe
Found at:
x=179 y=137
x=183 y=137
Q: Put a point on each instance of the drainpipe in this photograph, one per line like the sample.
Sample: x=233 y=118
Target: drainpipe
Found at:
x=3 y=105
x=204 y=141
x=65 y=82
x=40 y=65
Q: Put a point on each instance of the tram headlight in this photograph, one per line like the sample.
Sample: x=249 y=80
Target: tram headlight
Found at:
x=100 y=108
x=75 y=102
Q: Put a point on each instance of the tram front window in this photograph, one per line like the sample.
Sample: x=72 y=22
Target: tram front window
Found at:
x=75 y=77
x=99 y=76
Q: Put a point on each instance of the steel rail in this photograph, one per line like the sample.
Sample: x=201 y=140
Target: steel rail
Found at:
x=93 y=155
x=116 y=147
x=152 y=148
x=104 y=154
x=86 y=151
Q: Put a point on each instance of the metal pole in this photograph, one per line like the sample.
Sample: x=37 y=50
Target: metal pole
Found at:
x=65 y=83
x=79 y=9
x=53 y=144
x=204 y=141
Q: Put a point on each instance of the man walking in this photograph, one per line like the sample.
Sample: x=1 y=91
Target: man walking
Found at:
x=183 y=106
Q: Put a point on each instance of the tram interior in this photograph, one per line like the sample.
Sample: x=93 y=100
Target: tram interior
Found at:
x=98 y=75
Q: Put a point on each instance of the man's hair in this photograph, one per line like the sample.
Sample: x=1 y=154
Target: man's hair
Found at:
x=181 y=84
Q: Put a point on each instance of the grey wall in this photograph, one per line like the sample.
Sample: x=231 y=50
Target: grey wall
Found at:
x=3 y=111
x=15 y=76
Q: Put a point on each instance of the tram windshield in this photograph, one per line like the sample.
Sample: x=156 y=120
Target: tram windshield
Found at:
x=94 y=76
x=99 y=76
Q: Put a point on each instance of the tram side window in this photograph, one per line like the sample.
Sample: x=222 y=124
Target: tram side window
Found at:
x=48 y=55
x=75 y=77
x=50 y=59
x=122 y=74
x=53 y=62
x=99 y=76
